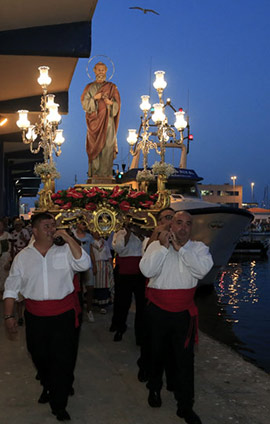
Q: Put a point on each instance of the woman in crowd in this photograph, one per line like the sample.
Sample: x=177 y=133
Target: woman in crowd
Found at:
x=102 y=272
x=4 y=256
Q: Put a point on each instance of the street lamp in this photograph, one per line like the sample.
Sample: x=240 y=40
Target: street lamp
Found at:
x=252 y=192
x=233 y=180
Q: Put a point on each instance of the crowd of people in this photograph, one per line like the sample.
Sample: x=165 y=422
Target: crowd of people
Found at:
x=54 y=281
x=14 y=236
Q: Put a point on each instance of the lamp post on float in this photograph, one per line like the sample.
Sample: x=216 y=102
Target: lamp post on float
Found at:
x=159 y=135
x=45 y=133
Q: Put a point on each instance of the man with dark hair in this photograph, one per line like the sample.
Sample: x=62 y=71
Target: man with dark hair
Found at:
x=173 y=263
x=164 y=220
x=165 y=215
x=43 y=273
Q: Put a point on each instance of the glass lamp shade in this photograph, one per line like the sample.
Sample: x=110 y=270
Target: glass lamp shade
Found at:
x=23 y=122
x=59 y=139
x=132 y=137
x=158 y=115
x=54 y=116
x=50 y=100
x=31 y=135
x=159 y=82
x=145 y=105
x=180 y=122
x=44 y=78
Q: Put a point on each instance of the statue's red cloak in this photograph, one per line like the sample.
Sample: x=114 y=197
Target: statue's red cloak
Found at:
x=97 y=122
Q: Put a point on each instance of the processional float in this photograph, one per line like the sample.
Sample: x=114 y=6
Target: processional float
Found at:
x=108 y=206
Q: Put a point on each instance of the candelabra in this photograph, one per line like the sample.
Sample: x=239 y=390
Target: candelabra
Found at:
x=166 y=135
x=45 y=133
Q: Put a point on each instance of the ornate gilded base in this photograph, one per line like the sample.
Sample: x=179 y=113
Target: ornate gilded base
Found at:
x=103 y=211
x=45 y=200
x=97 y=181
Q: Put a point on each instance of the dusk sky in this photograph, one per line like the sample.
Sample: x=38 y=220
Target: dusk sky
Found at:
x=216 y=57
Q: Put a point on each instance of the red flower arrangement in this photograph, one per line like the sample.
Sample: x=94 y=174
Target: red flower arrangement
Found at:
x=122 y=199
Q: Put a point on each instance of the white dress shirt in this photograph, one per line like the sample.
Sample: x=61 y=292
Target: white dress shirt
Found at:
x=132 y=248
x=48 y=277
x=169 y=269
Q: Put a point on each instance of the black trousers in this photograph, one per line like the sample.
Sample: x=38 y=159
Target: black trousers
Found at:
x=144 y=360
x=52 y=343
x=170 y=329
x=125 y=286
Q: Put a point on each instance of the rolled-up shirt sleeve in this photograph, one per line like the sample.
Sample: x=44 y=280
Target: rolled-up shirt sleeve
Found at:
x=198 y=260
x=153 y=259
x=13 y=282
x=81 y=264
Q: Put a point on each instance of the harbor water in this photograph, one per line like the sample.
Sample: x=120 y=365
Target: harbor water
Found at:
x=236 y=311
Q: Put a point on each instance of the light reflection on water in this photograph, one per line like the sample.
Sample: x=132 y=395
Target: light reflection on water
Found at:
x=243 y=292
x=237 y=284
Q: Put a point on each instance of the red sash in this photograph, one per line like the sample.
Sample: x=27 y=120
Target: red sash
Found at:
x=177 y=300
x=47 y=308
x=129 y=264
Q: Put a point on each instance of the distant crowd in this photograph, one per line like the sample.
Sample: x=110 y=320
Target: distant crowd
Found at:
x=15 y=234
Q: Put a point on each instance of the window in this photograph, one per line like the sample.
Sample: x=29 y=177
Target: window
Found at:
x=207 y=192
x=227 y=193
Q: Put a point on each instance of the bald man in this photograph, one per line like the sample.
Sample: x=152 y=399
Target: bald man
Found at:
x=174 y=264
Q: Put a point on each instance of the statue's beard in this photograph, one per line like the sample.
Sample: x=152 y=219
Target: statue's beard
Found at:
x=100 y=78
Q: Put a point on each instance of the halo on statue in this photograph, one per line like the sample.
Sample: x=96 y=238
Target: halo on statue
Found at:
x=100 y=58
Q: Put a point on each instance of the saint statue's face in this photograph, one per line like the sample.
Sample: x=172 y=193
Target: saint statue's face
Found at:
x=100 y=72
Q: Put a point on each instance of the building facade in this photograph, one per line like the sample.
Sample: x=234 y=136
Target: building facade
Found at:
x=224 y=194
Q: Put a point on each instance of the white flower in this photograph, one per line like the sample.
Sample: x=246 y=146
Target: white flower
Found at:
x=163 y=169
x=44 y=168
x=145 y=175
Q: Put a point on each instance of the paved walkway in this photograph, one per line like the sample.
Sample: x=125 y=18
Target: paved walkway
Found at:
x=228 y=389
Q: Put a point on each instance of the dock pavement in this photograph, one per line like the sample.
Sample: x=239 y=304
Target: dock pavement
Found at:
x=228 y=389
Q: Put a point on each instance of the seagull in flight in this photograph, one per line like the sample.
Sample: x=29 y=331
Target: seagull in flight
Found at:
x=145 y=10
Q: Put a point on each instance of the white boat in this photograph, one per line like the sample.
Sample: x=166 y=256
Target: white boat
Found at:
x=218 y=226
x=256 y=239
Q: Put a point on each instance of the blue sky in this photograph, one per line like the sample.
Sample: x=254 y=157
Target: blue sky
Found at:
x=216 y=57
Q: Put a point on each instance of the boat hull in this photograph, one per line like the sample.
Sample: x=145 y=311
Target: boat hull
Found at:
x=219 y=228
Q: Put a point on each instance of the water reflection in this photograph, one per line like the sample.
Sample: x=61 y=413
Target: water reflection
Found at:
x=236 y=312
x=236 y=285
